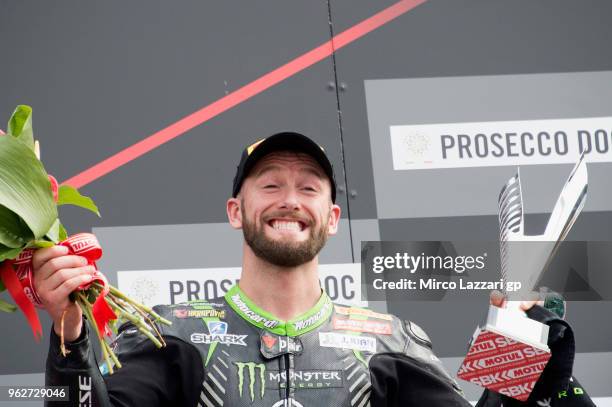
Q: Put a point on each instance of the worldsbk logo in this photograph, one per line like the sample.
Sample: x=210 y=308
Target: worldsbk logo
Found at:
x=505 y=376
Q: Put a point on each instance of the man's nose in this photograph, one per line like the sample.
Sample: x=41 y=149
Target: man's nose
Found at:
x=290 y=199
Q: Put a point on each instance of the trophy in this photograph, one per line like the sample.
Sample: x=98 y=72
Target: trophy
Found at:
x=509 y=353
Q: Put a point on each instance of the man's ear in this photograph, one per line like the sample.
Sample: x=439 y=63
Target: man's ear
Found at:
x=234 y=214
x=334 y=219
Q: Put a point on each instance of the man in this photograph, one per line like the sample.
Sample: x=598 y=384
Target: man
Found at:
x=275 y=339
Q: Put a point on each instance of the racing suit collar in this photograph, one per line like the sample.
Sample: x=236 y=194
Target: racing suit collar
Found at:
x=254 y=315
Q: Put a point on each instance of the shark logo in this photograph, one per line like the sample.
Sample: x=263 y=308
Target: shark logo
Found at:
x=251 y=367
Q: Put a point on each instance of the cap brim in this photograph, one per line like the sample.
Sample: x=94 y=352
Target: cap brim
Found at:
x=290 y=142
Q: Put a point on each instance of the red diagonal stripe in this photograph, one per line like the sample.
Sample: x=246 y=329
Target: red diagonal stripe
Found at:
x=240 y=95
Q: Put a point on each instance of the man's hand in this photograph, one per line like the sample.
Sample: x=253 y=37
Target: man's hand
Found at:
x=498 y=299
x=56 y=275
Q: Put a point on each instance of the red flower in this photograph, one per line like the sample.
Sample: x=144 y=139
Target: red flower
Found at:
x=54 y=186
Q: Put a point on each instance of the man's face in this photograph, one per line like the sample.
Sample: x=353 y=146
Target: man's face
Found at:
x=286 y=209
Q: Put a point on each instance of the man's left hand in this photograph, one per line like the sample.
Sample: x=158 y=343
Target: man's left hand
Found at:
x=499 y=300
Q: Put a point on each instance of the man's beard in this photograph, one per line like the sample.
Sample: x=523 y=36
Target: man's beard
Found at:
x=283 y=253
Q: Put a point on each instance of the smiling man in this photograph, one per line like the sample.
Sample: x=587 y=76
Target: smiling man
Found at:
x=284 y=201
x=276 y=339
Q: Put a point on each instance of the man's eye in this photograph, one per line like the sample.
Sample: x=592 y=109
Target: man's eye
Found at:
x=309 y=189
x=270 y=186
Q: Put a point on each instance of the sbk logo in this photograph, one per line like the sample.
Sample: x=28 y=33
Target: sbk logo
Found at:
x=518 y=390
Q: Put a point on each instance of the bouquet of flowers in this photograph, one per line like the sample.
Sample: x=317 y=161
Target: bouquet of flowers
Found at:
x=29 y=199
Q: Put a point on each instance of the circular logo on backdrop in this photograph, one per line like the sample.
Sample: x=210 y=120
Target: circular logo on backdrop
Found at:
x=143 y=289
x=416 y=146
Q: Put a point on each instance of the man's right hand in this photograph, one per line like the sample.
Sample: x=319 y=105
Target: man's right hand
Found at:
x=56 y=275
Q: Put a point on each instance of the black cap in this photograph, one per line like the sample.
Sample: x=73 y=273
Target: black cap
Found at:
x=282 y=141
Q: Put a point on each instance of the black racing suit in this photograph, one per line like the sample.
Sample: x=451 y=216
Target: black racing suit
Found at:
x=228 y=352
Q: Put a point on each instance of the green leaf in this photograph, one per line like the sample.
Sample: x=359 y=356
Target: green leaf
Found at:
x=68 y=195
x=63 y=235
x=13 y=232
x=54 y=231
x=6 y=307
x=9 y=253
x=41 y=243
x=20 y=125
x=2 y=288
x=24 y=187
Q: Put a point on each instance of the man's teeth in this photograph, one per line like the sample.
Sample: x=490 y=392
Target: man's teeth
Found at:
x=285 y=225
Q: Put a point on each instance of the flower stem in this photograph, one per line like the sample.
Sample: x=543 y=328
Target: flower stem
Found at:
x=62 y=342
x=142 y=326
x=135 y=304
x=87 y=308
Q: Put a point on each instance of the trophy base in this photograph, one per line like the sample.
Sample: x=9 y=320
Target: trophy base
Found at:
x=507 y=355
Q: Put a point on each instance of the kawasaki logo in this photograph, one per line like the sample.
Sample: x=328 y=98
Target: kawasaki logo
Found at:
x=251 y=367
x=252 y=315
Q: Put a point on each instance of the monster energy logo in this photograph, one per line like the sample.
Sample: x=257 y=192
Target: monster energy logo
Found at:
x=251 y=366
